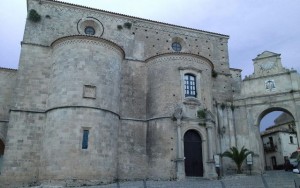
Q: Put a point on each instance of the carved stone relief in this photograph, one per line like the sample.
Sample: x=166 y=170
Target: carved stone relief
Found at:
x=270 y=85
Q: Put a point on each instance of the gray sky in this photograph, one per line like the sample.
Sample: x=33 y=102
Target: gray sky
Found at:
x=253 y=25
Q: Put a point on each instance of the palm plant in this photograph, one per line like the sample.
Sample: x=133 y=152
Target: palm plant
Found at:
x=237 y=156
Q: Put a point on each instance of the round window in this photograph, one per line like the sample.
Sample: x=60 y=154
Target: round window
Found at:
x=176 y=46
x=89 y=30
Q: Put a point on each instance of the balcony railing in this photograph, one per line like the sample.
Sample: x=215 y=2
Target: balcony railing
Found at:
x=270 y=148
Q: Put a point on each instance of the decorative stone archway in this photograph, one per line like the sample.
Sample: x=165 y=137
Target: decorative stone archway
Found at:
x=258 y=97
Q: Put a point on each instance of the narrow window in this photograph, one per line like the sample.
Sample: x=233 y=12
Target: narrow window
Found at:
x=291 y=140
x=271 y=142
x=190 y=85
x=85 y=139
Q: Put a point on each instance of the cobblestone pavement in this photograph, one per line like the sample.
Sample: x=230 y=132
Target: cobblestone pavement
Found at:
x=271 y=179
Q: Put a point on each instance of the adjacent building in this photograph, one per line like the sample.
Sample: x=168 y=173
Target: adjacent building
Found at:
x=280 y=141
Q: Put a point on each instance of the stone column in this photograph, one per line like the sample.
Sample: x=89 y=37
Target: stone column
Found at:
x=231 y=127
x=211 y=171
x=180 y=159
x=209 y=140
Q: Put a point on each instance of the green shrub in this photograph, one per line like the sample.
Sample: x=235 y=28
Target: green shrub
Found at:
x=201 y=114
x=119 y=27
x=128 y=25
x=34 y=16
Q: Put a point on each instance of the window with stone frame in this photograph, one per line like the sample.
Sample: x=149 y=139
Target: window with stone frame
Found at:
x=190 y=85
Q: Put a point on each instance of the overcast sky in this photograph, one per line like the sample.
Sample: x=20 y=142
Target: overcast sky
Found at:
x=253 y=25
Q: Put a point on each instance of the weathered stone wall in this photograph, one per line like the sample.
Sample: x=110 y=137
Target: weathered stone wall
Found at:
x=7 y=84
x=236 y=80
x=22 y=148
x=85 y=72
x=133 y=90
x=161 y=149
x=121 y=84
x=165 y=83
x=132 y=150
x=31 y=90
x=143 y=40
x=62 y=153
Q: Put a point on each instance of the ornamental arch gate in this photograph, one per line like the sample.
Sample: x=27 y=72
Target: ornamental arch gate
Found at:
x=255 y=113
x=274 y=141
x=257 y=97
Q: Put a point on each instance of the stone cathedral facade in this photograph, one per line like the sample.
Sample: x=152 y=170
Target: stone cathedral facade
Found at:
x=100 y=97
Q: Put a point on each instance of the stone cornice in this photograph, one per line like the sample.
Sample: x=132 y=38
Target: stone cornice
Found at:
x=249 y=78
x=84 y=38
x=145 y=120
x=39 y=111
x=283 y=94
x=180 y=56
x=88 y=107
x=34 y=44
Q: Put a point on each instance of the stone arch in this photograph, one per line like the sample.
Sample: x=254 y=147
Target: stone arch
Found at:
x=180 y=56
x=263 y=113
x=202 y=133
x=258 y=114
x=198 y=129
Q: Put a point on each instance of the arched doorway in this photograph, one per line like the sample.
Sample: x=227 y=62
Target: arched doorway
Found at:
x=193 y=154
x=278 y=136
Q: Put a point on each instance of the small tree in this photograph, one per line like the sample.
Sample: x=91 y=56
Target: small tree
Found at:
x=237 y=156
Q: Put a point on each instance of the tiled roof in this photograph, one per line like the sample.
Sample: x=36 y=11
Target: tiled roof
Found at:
x=138 y=18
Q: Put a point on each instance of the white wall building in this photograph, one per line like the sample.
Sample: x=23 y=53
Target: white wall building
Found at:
x=279 y=141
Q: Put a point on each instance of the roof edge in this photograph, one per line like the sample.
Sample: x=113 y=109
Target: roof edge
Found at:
x=10 y=69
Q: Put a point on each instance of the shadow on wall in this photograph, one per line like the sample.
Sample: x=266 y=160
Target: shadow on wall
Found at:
x=1 y=153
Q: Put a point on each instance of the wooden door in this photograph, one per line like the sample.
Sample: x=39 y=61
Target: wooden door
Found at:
x=193 y=154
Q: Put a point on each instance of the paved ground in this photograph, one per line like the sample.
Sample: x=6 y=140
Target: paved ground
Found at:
x=271 y=179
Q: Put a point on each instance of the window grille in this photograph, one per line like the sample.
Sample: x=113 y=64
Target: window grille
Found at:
x=190 y=85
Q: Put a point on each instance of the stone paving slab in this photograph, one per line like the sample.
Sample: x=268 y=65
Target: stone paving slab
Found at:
x=271 y=179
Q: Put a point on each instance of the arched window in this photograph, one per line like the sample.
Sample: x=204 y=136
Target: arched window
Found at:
x=190 y=85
